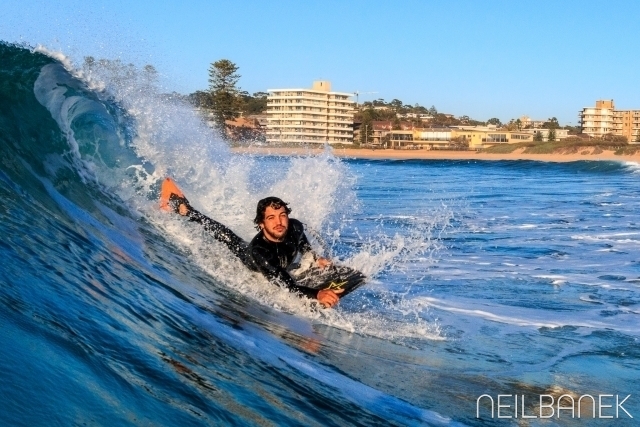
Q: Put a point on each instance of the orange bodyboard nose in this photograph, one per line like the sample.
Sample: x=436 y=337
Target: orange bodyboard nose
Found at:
x=169 y=187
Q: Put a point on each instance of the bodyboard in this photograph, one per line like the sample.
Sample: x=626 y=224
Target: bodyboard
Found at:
x=333 y=277
x=169 y=187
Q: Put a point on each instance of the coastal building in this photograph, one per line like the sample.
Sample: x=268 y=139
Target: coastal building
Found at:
x=422 y=116
x=604 y=119
x=474 y=137
x=245 y=129
x=259 y=119
x=315 y=115
x=380 y=129
x=560 y=133
x=527 y=123
x=487 y=136
x=597 y=121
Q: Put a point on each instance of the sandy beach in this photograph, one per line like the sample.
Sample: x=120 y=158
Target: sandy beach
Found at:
x=440 y=154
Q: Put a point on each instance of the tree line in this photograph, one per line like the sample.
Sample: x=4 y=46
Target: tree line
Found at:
x=226 y=101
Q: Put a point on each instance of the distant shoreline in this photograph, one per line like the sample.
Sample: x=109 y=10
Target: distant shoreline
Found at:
x=360 y=153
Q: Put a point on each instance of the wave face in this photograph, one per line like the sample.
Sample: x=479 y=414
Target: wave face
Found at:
x=486 y=277
x=113 y=313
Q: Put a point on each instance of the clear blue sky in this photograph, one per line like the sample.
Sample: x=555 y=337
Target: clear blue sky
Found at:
x=478 y=58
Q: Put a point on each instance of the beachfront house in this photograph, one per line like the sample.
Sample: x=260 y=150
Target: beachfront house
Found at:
x=456 y=137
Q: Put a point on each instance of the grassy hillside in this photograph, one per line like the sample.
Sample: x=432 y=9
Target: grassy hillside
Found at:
x=571 y=146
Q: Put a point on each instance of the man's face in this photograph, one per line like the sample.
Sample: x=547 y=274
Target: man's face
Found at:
x=275 y=223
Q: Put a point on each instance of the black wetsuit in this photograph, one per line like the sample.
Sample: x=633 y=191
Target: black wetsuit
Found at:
x=276 y=260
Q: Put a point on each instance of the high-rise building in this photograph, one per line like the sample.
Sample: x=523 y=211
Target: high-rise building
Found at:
x=605 y=119
x=314 y=115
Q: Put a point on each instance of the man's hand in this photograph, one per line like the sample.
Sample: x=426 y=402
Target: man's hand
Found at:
x=323 y=262
x=328 y=298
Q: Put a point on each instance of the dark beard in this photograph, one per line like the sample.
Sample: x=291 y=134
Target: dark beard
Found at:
x=273 y=238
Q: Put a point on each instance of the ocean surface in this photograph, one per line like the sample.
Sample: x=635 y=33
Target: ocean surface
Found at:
x=486 y=278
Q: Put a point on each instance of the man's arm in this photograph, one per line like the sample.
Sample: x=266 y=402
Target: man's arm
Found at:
x=329 y=297
x=272 y=271
x=304 y=246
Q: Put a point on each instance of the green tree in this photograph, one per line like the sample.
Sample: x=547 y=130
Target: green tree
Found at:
x=396 y=125
x=89 y=61
x=538 y=137
x=253 y=104
x=149 y=78
x=223 y=78
x=459 y=143
x=552 y=135
x=117 y=71
x=200 y=99
x=150 y=72
x=494 y=121
x=552 y=123
x=610 y=137
x=366 y=129
x=573 y=130
x=420 y=109
x=441 y=119
x=396 y=104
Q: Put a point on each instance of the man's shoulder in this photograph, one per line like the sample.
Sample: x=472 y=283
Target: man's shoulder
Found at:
x=257 y=239
x=294 y=223
x=296 y=229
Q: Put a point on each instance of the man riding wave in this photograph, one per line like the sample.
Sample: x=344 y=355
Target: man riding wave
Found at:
x=280 y=250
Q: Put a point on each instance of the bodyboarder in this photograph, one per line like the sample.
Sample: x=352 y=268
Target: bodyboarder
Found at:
x=280 y=250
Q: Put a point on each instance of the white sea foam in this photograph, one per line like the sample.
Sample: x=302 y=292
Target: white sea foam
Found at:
x=384 y=323
x=612 y=238
x=296 y=178
x=588 y=298
x=634 y=167
x=550 y=276
x=532 y=317
x=527 y=226
x=57 y=55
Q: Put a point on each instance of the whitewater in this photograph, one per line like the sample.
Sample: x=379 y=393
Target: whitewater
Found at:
x=485 y=277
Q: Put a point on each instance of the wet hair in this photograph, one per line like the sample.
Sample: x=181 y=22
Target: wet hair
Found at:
x=274 y=202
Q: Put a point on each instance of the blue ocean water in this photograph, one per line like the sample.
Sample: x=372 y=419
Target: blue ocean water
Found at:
x=487 y=278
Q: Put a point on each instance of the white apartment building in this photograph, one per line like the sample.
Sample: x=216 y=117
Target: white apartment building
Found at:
x=605 y=119
x=314 y=115
x=598 y=121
